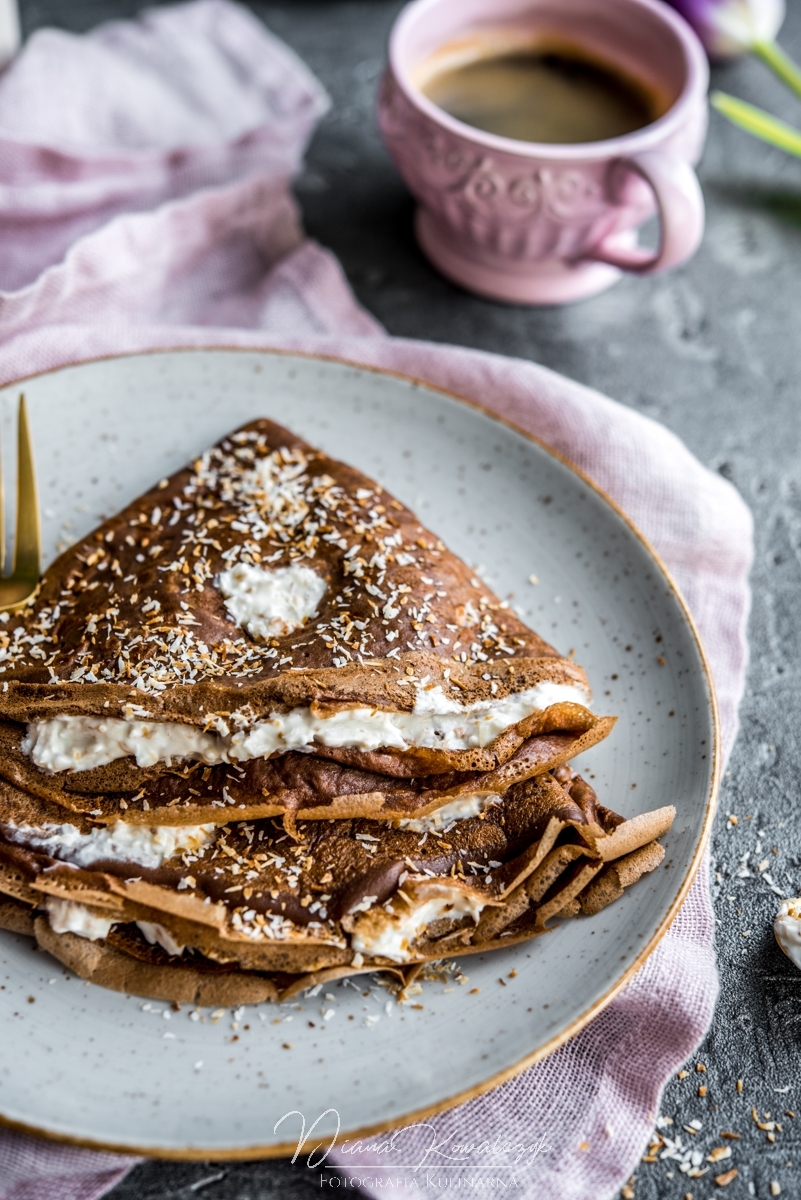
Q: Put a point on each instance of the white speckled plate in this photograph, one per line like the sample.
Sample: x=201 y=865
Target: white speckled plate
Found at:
x=89 y=1065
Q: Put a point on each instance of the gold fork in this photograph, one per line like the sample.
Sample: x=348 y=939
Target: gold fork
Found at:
x=17 y=588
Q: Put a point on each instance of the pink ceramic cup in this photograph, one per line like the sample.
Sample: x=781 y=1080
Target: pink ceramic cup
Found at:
x=545 y=224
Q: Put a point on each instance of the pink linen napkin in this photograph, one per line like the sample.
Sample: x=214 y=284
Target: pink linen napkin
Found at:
x=144 y=203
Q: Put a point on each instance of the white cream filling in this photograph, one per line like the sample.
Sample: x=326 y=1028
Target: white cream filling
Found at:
x=71 y=743
x=457 y=810
x=384 y=933
x=157 y=935
x=787 y=928
x=148 y=847
x=81 y=743
x=271 y=603
x=67 y=916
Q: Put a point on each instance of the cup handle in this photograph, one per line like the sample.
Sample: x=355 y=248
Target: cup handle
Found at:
x=680 y=203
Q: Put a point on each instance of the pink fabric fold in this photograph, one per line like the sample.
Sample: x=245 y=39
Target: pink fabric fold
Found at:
x=34 y=1170
x=144 y=203
x=138 y=113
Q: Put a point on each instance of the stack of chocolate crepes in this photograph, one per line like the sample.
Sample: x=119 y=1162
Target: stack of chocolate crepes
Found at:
x=262 y=730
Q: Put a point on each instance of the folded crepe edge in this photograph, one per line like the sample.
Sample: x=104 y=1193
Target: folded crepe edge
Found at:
x=554 y=881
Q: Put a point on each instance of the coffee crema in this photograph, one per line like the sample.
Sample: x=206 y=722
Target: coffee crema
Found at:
x=546 y=96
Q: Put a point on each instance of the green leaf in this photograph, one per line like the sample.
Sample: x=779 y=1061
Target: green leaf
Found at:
x=780 y=63
x=758 y=122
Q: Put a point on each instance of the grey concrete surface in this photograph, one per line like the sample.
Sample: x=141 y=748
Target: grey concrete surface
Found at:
x=712 y=350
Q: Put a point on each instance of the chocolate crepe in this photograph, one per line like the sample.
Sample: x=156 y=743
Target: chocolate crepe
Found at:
x=388 y=852
x=130 y=615
x=259 y=901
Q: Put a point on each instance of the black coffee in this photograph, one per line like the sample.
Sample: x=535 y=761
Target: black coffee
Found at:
x=541 y=97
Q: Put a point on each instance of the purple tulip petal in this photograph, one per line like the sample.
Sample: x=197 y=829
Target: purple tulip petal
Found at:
x=731 y=27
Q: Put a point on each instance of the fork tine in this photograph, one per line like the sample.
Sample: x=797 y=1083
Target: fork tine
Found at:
x=27 y=543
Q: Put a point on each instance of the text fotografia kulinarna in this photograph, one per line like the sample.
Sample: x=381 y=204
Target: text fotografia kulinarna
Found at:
x=429 y=1181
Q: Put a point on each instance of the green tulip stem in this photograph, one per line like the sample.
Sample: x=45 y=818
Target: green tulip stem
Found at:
x=780 y=63
x=756 y=121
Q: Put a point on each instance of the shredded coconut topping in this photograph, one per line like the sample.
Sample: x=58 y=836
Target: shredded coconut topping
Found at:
x=254 y=519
